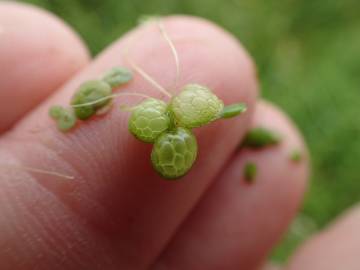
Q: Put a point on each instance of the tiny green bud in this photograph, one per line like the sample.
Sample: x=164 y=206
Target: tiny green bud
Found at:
x=260 y=137
x=233 y=110
x=117 y=76
x=65 y=118
x=250 y=172
x=296 y=156
x=92 y=92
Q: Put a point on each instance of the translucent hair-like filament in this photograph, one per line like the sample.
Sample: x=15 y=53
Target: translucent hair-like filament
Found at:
x=143 y=74
x=173 y=50
x=37 y=170
x=109 y=97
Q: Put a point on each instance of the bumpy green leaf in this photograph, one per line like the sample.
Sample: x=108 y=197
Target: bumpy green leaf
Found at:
x=149 y=120
x=92 y=92
x=174 y=153
x=196 y=106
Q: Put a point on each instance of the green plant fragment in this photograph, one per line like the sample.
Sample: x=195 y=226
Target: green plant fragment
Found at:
x=56 y=111
x=90 y=97
x=117 y=76
x=66 y=121
x=250 y=172
x=296 y=156
x=65 y=118
x=233 y=110
x=260 y=137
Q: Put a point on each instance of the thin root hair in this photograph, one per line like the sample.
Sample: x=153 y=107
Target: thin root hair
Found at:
x=37 y=170
x=166 y=36
x=142 y=73
x=109 y=97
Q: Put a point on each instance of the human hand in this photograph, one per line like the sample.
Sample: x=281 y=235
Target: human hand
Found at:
x=117 y=213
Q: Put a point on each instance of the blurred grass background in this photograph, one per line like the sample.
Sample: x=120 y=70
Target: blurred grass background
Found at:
x=308 y=55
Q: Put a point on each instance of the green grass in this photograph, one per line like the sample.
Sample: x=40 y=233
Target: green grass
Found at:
x=309 y=64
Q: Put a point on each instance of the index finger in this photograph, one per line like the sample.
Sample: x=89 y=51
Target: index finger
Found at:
x=127 y=205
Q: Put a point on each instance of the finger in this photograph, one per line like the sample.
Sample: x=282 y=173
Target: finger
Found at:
x=335 y=248
x=38 y=53
x=130 y=212
x=236 y=223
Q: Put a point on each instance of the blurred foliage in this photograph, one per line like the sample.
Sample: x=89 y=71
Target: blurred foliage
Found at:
x=308 y=55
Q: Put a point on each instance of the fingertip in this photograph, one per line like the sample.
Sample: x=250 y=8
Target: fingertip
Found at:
x=270 y=116
x=339 y=244
x=292 y=174
x=38 y=53
x=32 y=30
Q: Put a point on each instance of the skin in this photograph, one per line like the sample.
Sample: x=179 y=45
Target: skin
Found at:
x=22 y=32
x=118 y=213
